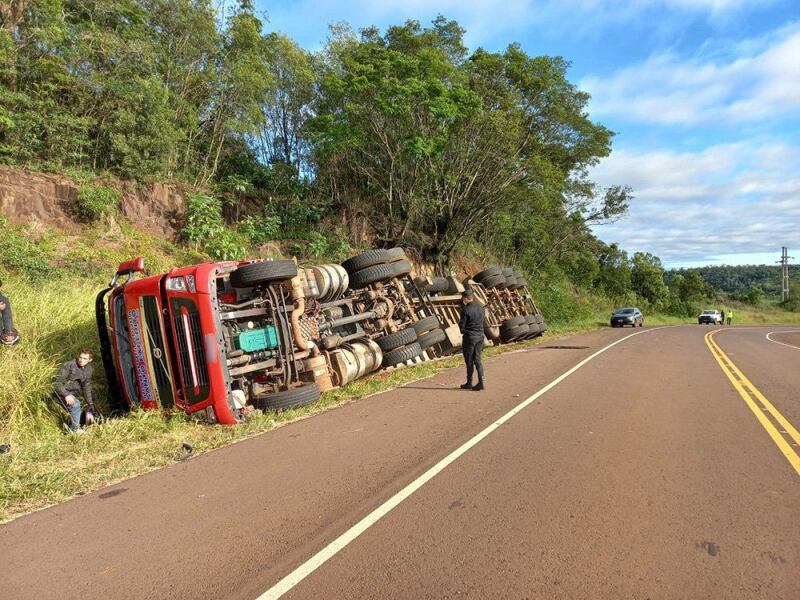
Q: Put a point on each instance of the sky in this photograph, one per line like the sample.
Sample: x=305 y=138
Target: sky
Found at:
x=703 y=95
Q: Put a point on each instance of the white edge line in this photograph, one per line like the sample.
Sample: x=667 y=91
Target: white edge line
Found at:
x=781 y=343
x=316 y=561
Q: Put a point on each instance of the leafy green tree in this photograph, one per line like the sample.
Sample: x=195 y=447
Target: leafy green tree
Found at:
x=428 y=144
x=755 y=296
x=614 y=277
x=647 y=279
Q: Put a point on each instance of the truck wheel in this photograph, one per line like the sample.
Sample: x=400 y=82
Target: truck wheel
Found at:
x=509 y=334
x=495 y=281
x=293 y=398
x=263 y=272
x=436 y=336
x=402 y=354
x=373 y=274
x=425 y=325
x=370 y=258
x=489 y=272
x=493 y=333
x=399 y=338
x=396 y=254
x=438 y=285
x=401 y=267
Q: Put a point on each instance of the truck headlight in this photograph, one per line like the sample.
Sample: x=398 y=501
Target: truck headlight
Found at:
x=190 y=283
x=176 y=284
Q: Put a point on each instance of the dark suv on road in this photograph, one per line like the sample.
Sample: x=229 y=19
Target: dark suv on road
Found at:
x=627 y=316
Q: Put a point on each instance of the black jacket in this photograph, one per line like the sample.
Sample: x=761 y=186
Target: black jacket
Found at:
x=73 y=379
x=471 y=323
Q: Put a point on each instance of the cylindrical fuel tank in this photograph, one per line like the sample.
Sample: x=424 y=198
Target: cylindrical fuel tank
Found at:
x=355 y=360
x=332 y=281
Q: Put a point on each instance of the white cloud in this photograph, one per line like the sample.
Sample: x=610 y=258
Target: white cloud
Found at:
x=728 y=199
x=757 y=83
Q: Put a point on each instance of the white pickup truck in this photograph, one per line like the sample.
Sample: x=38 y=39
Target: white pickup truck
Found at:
x=709 y=317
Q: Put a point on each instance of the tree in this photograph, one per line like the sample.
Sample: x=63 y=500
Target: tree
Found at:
x=614 y=277
x=647 y=278
x=429 y=144
x=755 y=296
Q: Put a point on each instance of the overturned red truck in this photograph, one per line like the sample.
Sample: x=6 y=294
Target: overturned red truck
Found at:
x=216 y=337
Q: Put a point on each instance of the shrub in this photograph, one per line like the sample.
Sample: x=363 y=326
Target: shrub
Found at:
x=226 y=245
x=203 y=218
x=20 y=254
x=260 y=229
x=95 y=201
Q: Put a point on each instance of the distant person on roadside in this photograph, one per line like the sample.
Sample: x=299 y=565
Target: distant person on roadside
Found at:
x=722 y=312
x=9 y=335
x=471 y=326
x=75 y=376
x=730 y=316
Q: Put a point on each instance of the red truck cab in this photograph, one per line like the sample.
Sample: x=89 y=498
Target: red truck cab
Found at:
x=162 y=341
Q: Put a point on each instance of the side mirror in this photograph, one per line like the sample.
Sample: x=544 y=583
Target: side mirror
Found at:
x=134 y=265
x=129 y=267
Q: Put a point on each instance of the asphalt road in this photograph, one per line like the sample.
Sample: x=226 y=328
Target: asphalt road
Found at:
x=648 y=472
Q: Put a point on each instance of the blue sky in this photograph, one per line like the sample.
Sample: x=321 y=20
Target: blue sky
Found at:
x=704 y=96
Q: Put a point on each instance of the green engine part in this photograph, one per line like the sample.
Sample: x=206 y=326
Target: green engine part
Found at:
x=253 y=340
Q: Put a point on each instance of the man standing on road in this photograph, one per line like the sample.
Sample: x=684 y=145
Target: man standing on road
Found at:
x=471 y=325
x=722 y=314
x=76 y=376
x=9 y=335
x=730 y=316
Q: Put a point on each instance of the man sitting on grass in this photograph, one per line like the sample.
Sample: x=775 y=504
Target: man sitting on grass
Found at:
x=75 y=376
x=9 y=335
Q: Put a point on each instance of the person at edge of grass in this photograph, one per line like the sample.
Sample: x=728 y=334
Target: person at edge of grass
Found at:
x=730 y=317
x=9 y=335
x=75 y=376
x=471 y=326
x=722 y=314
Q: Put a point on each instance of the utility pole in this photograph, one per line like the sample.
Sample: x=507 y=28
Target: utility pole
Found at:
x=784 y=261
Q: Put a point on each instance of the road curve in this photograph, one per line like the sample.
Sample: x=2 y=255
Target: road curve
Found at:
x=643 y=474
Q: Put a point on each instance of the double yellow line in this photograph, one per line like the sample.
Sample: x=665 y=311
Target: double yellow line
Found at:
x=765 y=412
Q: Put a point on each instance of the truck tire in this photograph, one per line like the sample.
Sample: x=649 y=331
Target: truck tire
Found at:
x=508 y=272
x=374 y=274
x=396 y=254
x=398 y=338
x=438 y=285
x=495 y=281
x=510 y=334
x=425 y=325
x=402 y=354
x=266 y=271
x=488 y=272
x=292 y=398
x=401 y=267
x=370 y=258
x=539 y=319
x=493 y=333
x=433 y=337
x=510 y=328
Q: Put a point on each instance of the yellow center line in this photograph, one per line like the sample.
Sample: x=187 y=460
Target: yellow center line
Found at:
x=750 y=394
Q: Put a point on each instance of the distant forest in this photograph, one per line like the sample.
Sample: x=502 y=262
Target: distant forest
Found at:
x=740 y=279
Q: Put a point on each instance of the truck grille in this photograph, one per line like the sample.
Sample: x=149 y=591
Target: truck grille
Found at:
x=185 y=352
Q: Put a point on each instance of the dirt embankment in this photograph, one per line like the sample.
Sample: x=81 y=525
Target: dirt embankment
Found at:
x=29 y=197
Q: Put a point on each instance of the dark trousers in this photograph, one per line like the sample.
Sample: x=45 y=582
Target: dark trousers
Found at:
x=471 y=348
x=8 y=321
